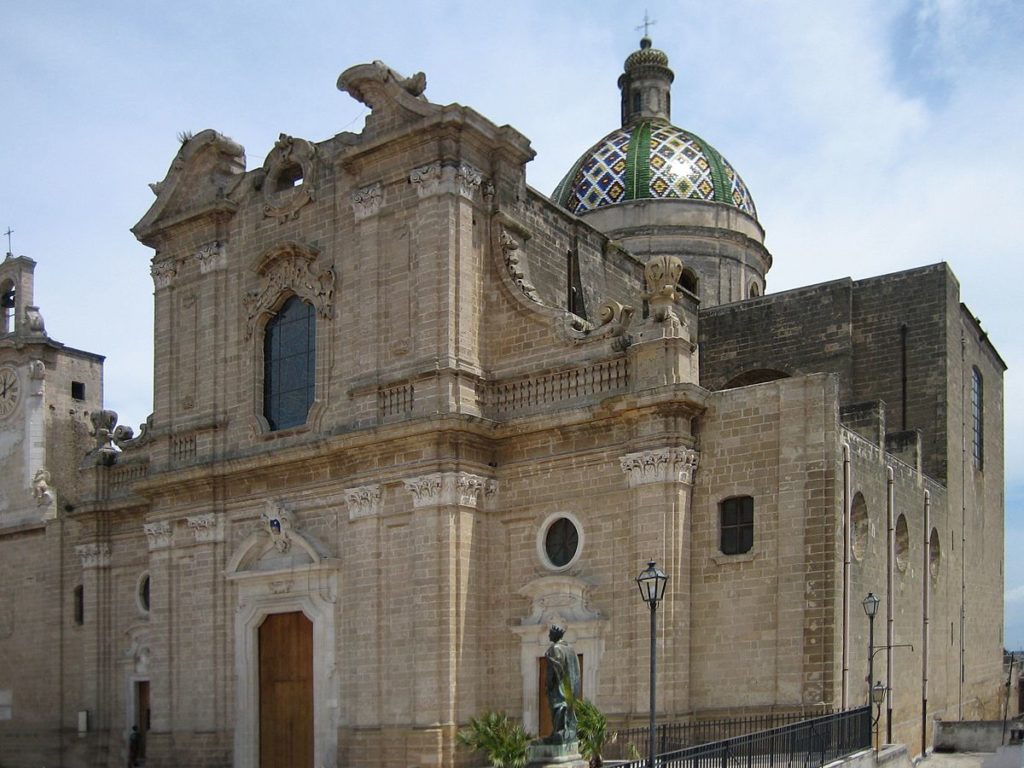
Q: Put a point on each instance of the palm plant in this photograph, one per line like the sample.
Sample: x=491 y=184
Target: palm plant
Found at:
x=503 y=742
x=593 y=733
x=591 y=728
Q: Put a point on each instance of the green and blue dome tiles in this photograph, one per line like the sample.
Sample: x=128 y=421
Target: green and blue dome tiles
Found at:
x=651 y=159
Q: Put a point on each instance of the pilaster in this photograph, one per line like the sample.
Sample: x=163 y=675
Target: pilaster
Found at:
x=661 y=493
x=96 y=646
x=447 y=588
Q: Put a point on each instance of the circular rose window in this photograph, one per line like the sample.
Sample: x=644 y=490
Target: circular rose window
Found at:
x=559 y=542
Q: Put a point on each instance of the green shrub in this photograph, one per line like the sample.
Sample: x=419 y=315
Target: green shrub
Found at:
x=503 y=742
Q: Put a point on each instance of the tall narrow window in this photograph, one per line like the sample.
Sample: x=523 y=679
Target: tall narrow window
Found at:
x=574 y=284
x=79 y=599
x=289 y=365
x=978 y=417
x=7 y=304
x=737 y=525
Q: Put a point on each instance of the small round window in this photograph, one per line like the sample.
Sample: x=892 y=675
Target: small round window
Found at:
x=142 y=593
x=559 y=542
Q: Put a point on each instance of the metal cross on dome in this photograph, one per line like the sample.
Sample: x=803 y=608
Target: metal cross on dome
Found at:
x=9 y=232
x=648 y=22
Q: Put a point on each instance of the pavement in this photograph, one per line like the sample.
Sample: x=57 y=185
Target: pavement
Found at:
x=953 y=760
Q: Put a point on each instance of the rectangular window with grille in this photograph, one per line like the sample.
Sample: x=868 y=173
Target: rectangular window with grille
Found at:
x=737 y=525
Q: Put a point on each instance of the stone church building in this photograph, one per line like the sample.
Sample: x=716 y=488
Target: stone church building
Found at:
x=408 y=412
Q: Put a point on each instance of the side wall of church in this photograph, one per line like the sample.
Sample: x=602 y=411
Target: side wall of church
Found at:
x=760 y=630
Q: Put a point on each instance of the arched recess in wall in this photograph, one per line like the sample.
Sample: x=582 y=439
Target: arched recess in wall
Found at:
x=934 y=553
x=859 y=525
x=902 y=543
x=755 y=376
x=689 y=281
x=8 y=301
x=754 y=290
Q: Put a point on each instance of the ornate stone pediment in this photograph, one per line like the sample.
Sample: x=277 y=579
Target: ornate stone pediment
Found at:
x=277 y=544
x=561 y=600
x=289 y=269
x=202 y=176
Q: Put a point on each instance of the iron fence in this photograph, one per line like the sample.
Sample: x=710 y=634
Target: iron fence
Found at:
x=674 y=736
x=807 y=744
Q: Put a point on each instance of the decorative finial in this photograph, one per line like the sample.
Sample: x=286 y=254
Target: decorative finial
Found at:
x=646 y=26
x=9 y=232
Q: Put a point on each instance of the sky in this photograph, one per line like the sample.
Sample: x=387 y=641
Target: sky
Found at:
x=874 y=136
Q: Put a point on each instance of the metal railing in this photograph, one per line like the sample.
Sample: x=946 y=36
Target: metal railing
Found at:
x=807 y=744
x=672 y=736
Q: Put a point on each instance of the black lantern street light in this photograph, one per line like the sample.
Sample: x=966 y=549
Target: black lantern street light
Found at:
x=651 y=582
x=878 y=691
x=870 y=604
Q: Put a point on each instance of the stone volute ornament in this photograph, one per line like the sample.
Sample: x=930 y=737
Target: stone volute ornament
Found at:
x=613 y=319
x=516 y=266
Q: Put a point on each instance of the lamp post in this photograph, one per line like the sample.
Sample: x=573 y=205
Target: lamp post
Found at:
x=878 y=691
x=870 y=604
x=651 y=582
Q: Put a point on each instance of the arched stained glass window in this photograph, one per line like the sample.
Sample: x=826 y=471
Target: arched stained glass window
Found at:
x=289 y=365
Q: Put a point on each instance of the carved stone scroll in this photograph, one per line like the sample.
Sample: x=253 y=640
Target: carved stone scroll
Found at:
x=516 y=267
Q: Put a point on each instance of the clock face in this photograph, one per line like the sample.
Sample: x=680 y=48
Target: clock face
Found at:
x=10 y=390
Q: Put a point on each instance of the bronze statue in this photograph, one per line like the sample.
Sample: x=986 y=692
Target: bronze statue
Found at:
x=563 y=673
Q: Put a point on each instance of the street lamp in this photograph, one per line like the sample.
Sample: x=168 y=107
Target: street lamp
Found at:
x=878 y=691
x=870 y=604
x=651 y=582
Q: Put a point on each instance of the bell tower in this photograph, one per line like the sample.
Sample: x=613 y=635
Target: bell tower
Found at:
x=16 y=283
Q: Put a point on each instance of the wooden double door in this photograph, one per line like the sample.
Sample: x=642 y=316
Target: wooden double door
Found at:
x=286 y=691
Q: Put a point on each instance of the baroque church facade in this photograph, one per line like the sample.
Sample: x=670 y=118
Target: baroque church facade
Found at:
x=408 y=412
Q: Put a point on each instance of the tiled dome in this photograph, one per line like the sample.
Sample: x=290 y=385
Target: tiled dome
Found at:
x=651 y=159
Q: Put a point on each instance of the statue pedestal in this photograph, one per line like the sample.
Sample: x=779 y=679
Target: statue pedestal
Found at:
x=561 y=755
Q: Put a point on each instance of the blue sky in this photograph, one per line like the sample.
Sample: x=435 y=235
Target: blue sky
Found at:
x=874 y=135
